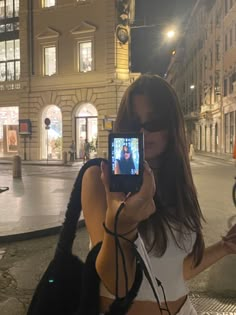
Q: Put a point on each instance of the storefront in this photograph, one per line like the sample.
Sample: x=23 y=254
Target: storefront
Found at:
x=9 y=137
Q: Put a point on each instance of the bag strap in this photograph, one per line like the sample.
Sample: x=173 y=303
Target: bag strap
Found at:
x=68 y=231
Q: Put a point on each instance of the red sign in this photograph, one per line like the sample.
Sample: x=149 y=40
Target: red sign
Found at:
x=25 y=127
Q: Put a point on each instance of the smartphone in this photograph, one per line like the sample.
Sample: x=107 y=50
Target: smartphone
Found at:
x=126 y=162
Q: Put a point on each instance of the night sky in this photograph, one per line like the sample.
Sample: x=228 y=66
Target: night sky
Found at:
x=149 y=51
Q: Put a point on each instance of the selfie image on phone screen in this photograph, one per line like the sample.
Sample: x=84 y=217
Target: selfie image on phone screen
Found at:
x=126 y=161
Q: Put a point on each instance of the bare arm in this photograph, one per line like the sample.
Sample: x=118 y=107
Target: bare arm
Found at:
x=94 y=203
x=94 y=207
x=211 y=255
x=100 y=205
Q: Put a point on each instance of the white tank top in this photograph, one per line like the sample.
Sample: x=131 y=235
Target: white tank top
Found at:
x=167 y=268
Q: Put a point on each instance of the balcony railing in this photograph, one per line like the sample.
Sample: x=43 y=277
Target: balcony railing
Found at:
x=10 y=85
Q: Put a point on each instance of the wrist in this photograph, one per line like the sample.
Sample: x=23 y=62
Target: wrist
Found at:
x=127 y=229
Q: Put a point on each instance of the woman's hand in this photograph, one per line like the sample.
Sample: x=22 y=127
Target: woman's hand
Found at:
x=229 y=241
x=138 y=207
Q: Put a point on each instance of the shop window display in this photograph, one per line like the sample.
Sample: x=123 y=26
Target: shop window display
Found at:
x=9 y=138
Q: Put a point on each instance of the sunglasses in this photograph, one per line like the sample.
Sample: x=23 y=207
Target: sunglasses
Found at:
x=150 y=126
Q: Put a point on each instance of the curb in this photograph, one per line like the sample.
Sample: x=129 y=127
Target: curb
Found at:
x=35 y=234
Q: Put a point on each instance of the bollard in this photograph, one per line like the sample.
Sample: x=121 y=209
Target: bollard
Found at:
x=64 y=157
x=16 y=166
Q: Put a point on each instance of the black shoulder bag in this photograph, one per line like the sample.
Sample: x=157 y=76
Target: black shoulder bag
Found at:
x=69 y=286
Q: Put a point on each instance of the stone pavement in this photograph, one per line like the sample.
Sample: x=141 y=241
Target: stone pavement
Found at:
x=35 y=204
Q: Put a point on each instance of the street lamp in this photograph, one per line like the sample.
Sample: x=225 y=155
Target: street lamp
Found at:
x=170 y=34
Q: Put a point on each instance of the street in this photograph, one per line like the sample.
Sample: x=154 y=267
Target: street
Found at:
x=22 y=263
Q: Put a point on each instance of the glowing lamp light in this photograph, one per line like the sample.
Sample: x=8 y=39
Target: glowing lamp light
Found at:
x=170 y=34
x=192 y=87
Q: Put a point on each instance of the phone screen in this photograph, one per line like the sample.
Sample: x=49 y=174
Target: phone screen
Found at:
x=125 y=156
x=126 y=161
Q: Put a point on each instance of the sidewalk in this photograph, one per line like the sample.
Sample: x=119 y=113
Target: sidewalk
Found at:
x=35 y=205
x=221 y=156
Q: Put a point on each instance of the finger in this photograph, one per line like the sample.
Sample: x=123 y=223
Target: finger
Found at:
x=150 y=208
x=105 y=177
x=229 y=237
x=148 y=187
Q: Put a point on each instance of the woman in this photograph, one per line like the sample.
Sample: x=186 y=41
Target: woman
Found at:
x=164 y=214
x=125 y=165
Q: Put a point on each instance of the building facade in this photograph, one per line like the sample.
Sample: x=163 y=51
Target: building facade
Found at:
x=203 y=72
x=64 y=65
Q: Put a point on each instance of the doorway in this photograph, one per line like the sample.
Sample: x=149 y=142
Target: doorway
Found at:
x=86 y=127
x=51 y=138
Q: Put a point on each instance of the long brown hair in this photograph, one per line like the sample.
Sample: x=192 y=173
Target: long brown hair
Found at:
x=176 y=197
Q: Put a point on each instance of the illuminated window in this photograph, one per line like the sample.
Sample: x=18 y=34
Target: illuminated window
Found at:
x=9 y=9
x=16 y=7
x=48 y=3
x=10 y=60
x=2 y=9
x=85 y=56
x=50 y=60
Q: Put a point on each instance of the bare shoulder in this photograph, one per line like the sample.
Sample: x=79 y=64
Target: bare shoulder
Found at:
x=94 y=203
